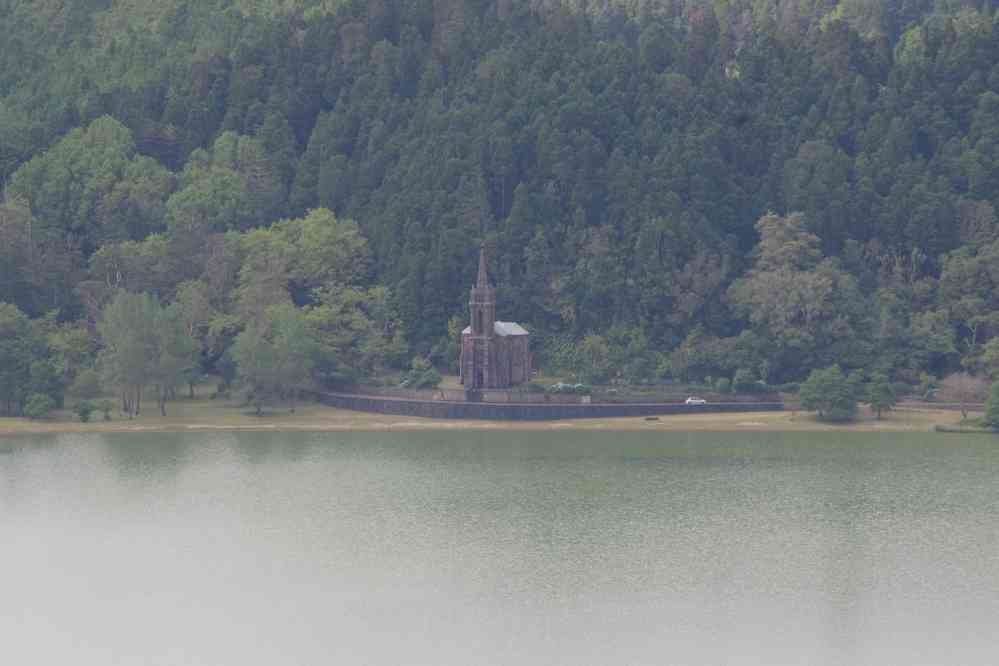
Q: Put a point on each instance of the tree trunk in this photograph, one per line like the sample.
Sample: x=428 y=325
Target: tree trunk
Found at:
x=879 y=413
x=190 y=390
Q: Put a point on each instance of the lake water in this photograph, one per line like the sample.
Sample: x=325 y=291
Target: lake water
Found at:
x=519 y=548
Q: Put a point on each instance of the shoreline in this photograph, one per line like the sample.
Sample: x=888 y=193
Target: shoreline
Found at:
x=207 y=416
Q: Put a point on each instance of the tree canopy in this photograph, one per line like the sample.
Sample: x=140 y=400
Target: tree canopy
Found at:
x=675 y=187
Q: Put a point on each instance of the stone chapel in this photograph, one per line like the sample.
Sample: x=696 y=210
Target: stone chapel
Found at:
x=494 y=354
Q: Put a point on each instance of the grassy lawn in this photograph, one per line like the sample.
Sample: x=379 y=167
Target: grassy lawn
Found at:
x=205 y=414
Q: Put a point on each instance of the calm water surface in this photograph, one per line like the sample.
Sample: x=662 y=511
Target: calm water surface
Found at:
x=452 y=548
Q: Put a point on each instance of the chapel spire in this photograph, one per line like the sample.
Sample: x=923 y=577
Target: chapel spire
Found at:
x=483 y=280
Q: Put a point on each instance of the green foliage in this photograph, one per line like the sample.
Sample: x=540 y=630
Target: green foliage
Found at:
x=829 y=393
x=87 y=384
x=857 y=380
x=990 y=357
x=723 y=385
x=808 y=307
x=928 y=384
x=91 y=185
x=83 y=410
x=27 y=365
x=744 y=381
x=145 y=344
x=127 y=329
x=421 y=375
x=106 y=406
x=38 y=406
x=175 y=352
x=275 y=360
x=620 y=163
x=992 y=407
x=45 y=378
x=592 y=360
x=880 y=393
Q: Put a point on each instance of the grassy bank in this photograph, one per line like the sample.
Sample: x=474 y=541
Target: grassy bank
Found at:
x=208 y=415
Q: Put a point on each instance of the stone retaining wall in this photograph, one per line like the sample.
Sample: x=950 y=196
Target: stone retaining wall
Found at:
x=520 y=396
x=487 y=395
x=443 y=409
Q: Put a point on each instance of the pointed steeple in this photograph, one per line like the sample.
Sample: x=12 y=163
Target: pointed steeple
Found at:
x=483 y=280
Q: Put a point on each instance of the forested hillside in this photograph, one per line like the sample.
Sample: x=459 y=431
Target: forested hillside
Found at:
x=665 y=187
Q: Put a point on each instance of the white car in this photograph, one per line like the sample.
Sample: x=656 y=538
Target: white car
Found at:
x=695 y=401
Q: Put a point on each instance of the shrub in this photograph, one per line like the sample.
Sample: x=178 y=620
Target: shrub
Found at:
x=83 y=410
x=902 y=388
x=106 y=406
x=38 y=406
x=582 y=389
x=421 y=375
x=723 y=385
x=744 y=382
x=992 y=407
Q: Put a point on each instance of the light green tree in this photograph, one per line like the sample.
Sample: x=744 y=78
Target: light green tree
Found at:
x=992 y=407
x=990 y=357
x=880 y=393
x=145 y=343
x=256 y=364
x=275 y=357
x=828 y=392
x=38 y=406
x=175 y=352
x=808 y=307
x=130 y=356
x=91 y=184
x=193 y=302
x=15 y=356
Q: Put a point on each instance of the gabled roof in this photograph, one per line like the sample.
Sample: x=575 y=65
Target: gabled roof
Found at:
x=509 y=328
x=503 y=328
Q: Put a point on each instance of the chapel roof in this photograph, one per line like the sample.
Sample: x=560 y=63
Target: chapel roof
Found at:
x=503 y=328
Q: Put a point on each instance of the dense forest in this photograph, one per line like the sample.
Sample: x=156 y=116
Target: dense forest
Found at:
x=666 y=188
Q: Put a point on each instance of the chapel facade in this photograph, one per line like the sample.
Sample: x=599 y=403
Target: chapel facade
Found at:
x=494 y=354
